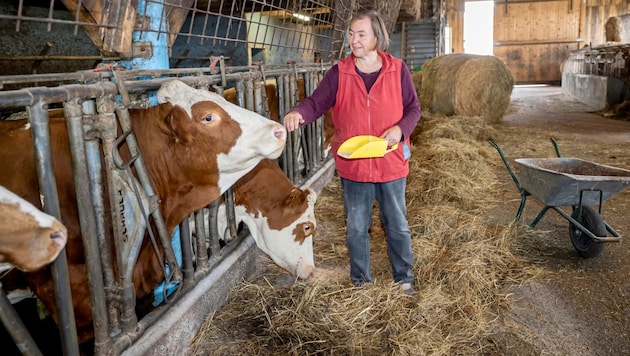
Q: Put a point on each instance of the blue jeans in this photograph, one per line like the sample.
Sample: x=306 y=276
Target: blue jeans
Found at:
x=358 y=200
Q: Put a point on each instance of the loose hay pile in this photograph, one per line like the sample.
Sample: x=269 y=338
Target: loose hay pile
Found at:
x=464 y=265
x=467 y=85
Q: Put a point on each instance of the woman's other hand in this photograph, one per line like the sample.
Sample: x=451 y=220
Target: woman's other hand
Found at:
x=393 y=135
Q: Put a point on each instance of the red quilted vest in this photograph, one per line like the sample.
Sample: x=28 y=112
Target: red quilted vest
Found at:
x=358 y=113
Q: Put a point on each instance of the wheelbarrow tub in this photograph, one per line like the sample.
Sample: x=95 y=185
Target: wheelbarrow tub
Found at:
x=559 y=181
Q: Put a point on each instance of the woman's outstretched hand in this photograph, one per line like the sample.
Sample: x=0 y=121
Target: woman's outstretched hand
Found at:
x=292 y=120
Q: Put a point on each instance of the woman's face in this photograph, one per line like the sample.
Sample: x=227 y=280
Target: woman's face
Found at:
x=361 y=37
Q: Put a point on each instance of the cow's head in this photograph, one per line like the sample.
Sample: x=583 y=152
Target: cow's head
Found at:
x=255 y=136
x=29 y=238
x=285 y=232
x=279 y=216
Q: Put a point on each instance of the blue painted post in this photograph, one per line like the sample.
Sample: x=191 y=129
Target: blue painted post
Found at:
x=156 y=34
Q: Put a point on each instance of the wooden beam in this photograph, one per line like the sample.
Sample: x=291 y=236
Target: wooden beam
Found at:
x=537 y=42
x=176 y=13
x=120 y=21
x=85 y=15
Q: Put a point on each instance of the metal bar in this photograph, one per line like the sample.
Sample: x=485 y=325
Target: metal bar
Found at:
x=125 y=252
x=214 y=246
x=87 y=220
x=14 y=326
x=584 y=229
x=105 y=115
x=200 y=241
x=38 y=117
x=507 y=164
x=522 y=191
x=187 y=255
x=230 y=214
x=556 y=147
x=539 y=216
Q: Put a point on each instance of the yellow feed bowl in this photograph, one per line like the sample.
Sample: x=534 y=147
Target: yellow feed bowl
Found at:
x=364 y=146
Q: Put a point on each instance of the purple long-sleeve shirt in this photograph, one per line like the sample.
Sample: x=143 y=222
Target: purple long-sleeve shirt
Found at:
x=324 y=97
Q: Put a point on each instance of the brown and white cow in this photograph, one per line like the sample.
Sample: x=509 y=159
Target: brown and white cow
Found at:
x=279 y=216
x=195 y=145
x=29 y=238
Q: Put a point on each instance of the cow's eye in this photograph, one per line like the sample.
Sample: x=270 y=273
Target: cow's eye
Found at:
x=307 y=227
x=208 y=118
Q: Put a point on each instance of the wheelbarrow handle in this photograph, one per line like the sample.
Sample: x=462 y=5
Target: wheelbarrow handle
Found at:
x=555 y=146
x=507 y=164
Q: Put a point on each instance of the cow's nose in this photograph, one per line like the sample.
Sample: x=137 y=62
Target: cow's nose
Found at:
x=280 y=133
x=306 y=272
x=59 y=236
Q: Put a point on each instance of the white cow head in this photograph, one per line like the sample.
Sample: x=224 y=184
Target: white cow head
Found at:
x=280 y=217
x=29 y=238
x=286 y=239
x=259 y=138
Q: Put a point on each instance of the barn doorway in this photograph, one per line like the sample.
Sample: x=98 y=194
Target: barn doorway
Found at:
x=478 y=27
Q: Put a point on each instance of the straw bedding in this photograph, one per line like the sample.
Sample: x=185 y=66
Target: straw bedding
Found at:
x=464 y=264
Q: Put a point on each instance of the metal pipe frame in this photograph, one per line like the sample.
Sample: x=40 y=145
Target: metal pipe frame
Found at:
x=93 y=118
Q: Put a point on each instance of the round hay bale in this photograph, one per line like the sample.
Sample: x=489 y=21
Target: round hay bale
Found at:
x=467 y=85
x=438 y=88
x=617 y=29
x=417 y=82
x=483 y=88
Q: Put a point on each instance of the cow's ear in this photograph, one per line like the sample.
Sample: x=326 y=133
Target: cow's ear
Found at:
x=311 y=195
x=179 y=125
x=295 y=199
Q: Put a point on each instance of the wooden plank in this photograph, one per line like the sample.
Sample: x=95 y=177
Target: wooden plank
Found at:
x=538 y=42
x=455 y=19
x=535 y=64
x=88 y=16
x=534 y=38
x=176 y=15
x=121 y=19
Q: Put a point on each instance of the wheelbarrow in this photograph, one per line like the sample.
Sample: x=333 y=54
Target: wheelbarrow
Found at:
x=573 y=182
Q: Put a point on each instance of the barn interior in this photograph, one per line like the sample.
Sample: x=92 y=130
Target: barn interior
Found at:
x=540 y=41
x=580 y=46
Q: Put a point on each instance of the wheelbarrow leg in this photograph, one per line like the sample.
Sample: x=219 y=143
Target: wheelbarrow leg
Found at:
x=539 y=216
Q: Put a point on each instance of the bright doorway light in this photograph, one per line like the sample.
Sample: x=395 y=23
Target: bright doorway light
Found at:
x=478 y=27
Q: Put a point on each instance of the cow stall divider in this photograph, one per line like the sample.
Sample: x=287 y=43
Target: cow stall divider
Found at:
x=95 y=105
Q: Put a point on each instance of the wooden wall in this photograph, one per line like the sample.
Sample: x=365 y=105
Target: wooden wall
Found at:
x=535 y=37
x=596 y=13
x=455 y=20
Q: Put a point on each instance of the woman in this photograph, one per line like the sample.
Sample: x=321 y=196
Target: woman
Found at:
x=371 y=93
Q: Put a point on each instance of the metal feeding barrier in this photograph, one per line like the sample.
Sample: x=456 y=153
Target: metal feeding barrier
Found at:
x=94 y=104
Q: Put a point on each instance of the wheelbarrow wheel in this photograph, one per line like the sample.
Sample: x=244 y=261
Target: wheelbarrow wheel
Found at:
x=593 y=222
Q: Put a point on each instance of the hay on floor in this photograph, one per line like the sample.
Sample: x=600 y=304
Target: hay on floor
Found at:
x=463 y=267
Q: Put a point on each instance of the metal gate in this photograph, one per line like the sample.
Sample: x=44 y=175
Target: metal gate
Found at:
x=98 y=101
x=420 y=42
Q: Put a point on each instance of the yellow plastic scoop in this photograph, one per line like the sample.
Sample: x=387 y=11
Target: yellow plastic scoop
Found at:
x=364 y=146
